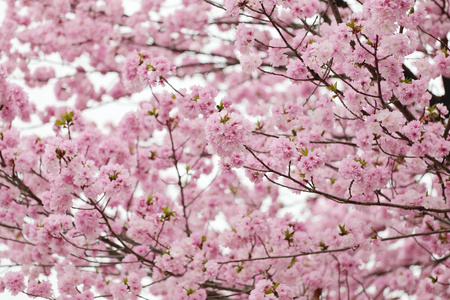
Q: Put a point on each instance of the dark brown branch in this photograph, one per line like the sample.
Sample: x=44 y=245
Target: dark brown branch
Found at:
x=335 y=10
x=287 y=256
x=414 y=234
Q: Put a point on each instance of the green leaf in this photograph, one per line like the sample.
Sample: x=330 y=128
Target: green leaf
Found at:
x=406 y=80
x=363 y=163
x=293 y=261
x=323 y=246
x=113 y=176
x=60 y=153
x=225 y=119
x=201 y=244
x=153 y=112
x=152 y=155
x=60 y=122
x=167 y=213
x=351 y=24
x=239 y=268
x=66 y=119
x=333 y=87
x=220 y=107
x=442 y=239
x=343 y=230
x=288 y=236
x=304 y=151
x=68 y=116
x=294 y=132
x=190 y=291
x=432 y=108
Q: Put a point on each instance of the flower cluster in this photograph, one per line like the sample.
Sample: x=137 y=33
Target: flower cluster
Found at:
x=143 y=69
x=271 y=149
x=227 y=132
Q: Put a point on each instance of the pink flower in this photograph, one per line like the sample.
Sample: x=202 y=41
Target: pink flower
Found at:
x=118 y=291
x=129 y=73
x=245 y=37
x=305 y=8
x=41 y=76
x=391 y=120
x=14 y=282
x=397 y=45
x=284 y=292
x=145 y=69
x=297 y=70
x=40 y=288
x=86 y=221
x=58 y=200
x=351 y=169
x=250 y=62
x=199 y=101
x=232 y=7
x=134 y=282
x=263 y=290
x=227 y=132
x=211 y=270
x=115 y=183
x=311 y=161
x=276 y=53
x=13 y=100
x=412 y=130
x=282 y=148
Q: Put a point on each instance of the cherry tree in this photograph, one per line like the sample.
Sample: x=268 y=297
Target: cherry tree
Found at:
x=338 y=106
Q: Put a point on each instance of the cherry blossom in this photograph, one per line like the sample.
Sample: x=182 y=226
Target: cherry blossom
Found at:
x=273 y=149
